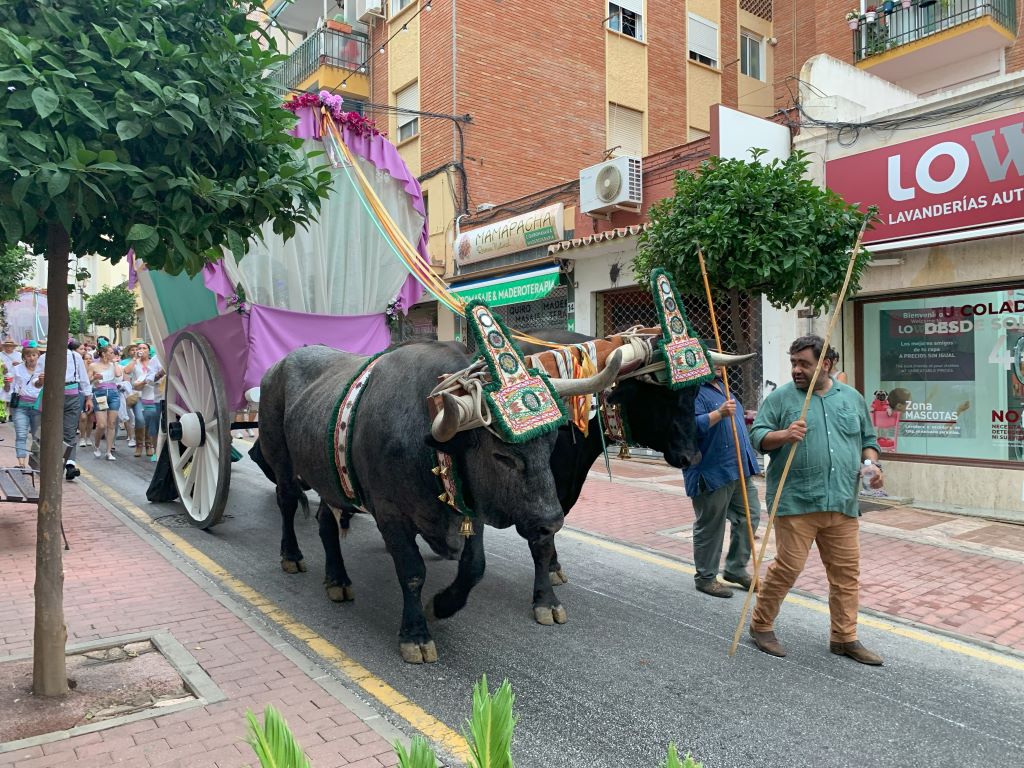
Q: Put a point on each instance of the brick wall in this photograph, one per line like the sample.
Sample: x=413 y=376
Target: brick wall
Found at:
x=534 y=81
x=730 y=53
x=666 y=68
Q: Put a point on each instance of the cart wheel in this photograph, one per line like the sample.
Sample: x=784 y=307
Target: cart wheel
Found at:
x=198 y=429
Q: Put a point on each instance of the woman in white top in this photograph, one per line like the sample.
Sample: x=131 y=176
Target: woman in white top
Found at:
x=145 y=372
x=105 y=374
x=25 y=391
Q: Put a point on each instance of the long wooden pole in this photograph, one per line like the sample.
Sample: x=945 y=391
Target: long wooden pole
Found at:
x=732 y=419
x=840 y=297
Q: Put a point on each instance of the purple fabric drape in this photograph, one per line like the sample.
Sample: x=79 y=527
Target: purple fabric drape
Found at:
x=246 y=345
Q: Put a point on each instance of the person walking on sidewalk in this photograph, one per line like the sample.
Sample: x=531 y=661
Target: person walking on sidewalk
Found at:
x=10 y=358
x=819 y=501
x=105 y=375
x=25 y=395
x=145 y=372
x=76 y=387
x=714 y=486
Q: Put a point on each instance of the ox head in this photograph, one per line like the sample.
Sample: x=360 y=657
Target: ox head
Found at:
x=508 y=483
x=662 y=418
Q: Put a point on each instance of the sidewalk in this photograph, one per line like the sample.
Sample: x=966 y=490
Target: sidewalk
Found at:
x=116 y=583
x=958 y=574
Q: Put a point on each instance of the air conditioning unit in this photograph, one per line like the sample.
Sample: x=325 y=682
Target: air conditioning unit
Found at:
x=614 y=185
x=368 y=10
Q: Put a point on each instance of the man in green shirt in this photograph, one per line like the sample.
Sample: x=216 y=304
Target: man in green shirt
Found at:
x=819 y=499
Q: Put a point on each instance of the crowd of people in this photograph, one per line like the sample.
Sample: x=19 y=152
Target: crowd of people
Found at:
x=108 y=390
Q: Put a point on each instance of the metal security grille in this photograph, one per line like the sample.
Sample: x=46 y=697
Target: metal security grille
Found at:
x=741 y=331
x=550 y=312
x=760 y=8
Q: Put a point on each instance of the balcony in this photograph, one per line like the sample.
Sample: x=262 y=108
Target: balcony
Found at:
x=936 y=43
x=324 y=59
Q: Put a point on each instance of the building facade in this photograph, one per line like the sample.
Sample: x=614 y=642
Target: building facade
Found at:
x=935 y=336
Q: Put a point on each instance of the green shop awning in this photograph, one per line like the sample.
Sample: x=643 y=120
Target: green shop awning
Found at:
x=510 y=289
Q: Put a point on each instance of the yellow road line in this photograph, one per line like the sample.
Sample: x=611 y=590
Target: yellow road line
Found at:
x=911 y=633
x=416 y=716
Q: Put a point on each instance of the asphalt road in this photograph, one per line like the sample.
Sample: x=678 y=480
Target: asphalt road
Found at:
x=641 y=662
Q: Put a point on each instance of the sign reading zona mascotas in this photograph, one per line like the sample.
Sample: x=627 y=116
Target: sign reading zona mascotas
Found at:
x=956 y=180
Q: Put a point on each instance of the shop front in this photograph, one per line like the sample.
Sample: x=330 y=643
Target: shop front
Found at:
x=937 y=329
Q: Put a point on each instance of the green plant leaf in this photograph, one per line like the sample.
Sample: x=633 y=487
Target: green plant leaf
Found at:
x=46 y=101
x=58 y=183
x=140 y=232
x=491 y=726
x=128 y=129
x=420 y=755
x=34 y=139
x=273 y=742
x=90 y=109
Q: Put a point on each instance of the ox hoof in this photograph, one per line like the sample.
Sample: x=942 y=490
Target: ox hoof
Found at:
x=293 y=566
x=339 y=594
x=413 y=653
x=543 y=615
x=559 y=614
x=558 y=578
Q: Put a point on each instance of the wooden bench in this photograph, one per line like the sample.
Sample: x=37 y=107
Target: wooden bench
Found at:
x=19 y=486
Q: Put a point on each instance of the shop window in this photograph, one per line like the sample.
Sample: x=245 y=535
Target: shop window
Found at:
x=702 y=37
x=752 y=55
x=407 y=101
x=626 y=16
x=943 y=374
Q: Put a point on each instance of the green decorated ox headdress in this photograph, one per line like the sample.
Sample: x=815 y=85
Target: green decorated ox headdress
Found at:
x=685 y=355
x=522 y=401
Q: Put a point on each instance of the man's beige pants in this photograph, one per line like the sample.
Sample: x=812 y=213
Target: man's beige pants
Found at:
x=839 y=546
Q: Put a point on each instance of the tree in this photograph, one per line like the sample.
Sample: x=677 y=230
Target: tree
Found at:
x=77 y=322
x=763 y=229
x=150 y=128
x=15 y=268
x=113 y=307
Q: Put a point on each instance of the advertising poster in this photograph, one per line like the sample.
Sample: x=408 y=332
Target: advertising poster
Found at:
x=944 y=376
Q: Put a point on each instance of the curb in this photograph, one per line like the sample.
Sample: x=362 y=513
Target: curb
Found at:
x=322 y=676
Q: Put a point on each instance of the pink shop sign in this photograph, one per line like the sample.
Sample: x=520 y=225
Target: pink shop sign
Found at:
x=957 y=180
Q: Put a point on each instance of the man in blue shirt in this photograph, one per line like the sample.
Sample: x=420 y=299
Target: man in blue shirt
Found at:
x=714 y=486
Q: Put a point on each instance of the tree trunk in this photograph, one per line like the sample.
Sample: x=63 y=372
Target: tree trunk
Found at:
x=49 y=670
x=747 y=386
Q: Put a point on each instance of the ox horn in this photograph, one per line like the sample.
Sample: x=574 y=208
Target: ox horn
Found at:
x=446 y=423
x=720 y=358
x=592 y=384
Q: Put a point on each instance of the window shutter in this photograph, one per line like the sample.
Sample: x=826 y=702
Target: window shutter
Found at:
x=625 y=131
x=407 y=98
x=636 y=6
x=703 y=37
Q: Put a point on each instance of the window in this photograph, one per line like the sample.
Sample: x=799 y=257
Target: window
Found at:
x=408 y=99
x=751 y=55
x=702 y=36
x=626 y=16
x=625 y=131
x=693 y=134
x=942 y=374
x=397 y=5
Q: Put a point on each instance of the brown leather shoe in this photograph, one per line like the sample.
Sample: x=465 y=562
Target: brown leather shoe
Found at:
x=857 y=652
x=767 y=642
x=713 y=587
x=743 y=579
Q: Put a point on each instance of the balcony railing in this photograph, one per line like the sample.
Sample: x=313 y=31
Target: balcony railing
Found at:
x=325 y=47
x=923 y=19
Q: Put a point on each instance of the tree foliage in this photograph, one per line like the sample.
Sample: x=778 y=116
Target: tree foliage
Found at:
x=149 y=128
x=77 y=322
x=16 y=267
x=112 y=306
x=136 y=124
x=763 y=229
